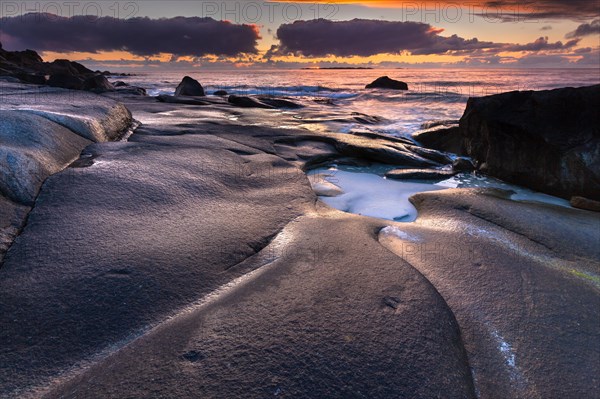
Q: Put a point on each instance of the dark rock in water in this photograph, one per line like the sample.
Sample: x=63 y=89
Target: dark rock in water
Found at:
x=66 y=81
x=325 y=101
x=189 y=100
x=585 y=203
x=220 y=93
x=441 y=138
x=131 y=90
x=433 y=155
x=279 y=102
x=247 y=102
x=97 y=84
x=546 y=140
x=385 y=82
x=261 y=102
x=463 y=165
x=367 y=119
x=120 y=83
x=420 y=174
x=189 y=87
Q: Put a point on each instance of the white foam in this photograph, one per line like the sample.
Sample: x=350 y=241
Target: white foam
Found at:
x=369 y=194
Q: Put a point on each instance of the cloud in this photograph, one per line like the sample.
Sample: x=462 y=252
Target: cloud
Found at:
x=511 y=10
x=541 y=44
x=592 y=28
x=361 y=37
x=546 y=27
x=182 y=36
x=498 y=10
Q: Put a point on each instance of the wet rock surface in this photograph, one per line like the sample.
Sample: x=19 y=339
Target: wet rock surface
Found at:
x=194 y=260
x=420 y=174
x=43 y=130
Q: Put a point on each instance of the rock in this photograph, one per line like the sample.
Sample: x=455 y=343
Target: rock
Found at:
x=585 y=203
x=442 y=138
x=163 y=98
x=120 y=83
x=32 y=78
x=385 y=82
x=323 y=187
x=33 y=148
x=93 y=117
x=261 y=102
x=445 y=122
x=66 y=81
x=279 y=102
x=97 y=84
x=463 y=165
x=131 y=90
x=23 y=59
x=548 y=140
x=382 y=151
x=247 y=102
x=9 y=79
x=66 y=67
x=420 y=174
x=189 y=87
x=12 y=218
x=220 y=93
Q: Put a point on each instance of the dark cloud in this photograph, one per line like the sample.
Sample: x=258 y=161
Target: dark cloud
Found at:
x=361 y=37
x=182 y=36
x=592 y=28
x=511 y=10
x=541 y=44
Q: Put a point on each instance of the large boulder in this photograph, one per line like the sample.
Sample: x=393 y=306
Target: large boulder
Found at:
x=98 y=84
x=385 y=82
x=189 y=87
x=546 y=140
x=66 y=81
x=66 y=66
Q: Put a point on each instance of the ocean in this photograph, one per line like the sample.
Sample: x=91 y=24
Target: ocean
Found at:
x=434 y=94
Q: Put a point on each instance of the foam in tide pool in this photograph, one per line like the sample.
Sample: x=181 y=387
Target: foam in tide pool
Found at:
x=467 y=180
x=366 y=193
x=363 y=191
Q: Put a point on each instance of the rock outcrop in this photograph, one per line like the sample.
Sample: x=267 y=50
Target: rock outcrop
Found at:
x=29 y=67
x=42 y=131
x=548 y=140
x=189 y=87
x=385 y=82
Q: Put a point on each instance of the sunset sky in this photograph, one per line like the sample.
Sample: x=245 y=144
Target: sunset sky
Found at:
x=245 y=34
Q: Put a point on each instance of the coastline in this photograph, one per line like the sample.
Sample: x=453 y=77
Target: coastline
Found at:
x=135 y=231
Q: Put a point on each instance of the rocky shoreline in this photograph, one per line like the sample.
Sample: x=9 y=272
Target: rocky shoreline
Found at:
x=194 y=259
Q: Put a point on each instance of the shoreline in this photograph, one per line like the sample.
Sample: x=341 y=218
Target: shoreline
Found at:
x=199 y=196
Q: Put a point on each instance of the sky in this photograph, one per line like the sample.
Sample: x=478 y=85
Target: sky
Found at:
x=178 y=34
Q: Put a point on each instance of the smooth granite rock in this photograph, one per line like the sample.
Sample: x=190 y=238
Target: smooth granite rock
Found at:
x=32 y=149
